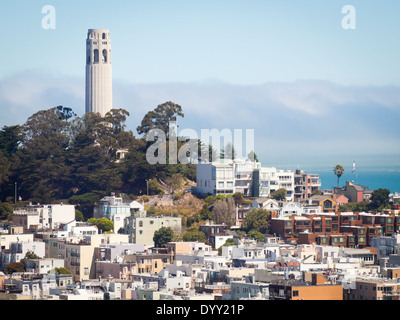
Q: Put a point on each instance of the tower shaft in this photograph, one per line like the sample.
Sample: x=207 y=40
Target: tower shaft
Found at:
x=98 y=71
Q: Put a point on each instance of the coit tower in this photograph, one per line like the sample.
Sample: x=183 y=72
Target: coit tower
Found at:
x=98 y=71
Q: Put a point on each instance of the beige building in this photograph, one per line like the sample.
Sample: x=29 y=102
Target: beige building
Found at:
x=141 y=228
x=78 y=253
x=375 y=289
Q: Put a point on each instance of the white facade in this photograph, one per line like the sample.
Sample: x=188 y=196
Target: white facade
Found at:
x=98 y=71
x=77 y=229
x=60 y=214
x=272 y=179
x=244 y=176
x=43 y=266
x=114 y=209
x=226 y=177
x=49 y=216
x=18 y=251
x=7 y=239
x=290 y=209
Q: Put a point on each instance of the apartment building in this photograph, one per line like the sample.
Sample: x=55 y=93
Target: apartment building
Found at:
x=116 y=209
x=43 y=217
x=319 y=288
x=18 y=251
x=141 y=227
x=354 y=192
x=138 y=263
x=272 y=179
x=78 y=253
x=375 y=289
x=226 y=177
x=305 y=184
x=244 y=176
x=14 y=234
x=247 y=290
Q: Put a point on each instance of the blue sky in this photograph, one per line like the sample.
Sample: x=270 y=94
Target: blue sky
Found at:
x=284 y=68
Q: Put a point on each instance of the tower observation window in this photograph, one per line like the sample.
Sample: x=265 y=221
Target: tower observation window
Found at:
x=105 y=56
x=96 y=56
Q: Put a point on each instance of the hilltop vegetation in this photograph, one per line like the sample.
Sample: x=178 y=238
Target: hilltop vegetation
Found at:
x=57 y=155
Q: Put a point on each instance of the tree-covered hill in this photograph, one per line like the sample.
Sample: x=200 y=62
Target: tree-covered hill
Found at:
x=56 y=155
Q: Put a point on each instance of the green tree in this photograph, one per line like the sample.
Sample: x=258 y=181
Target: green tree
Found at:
x=79 y=216
x=193 y=234
x=85 y=203
x=257 y=219
x=354 y=207
x=279 y=194
x=210 y=200
x=256 y=235
x=103 y=224
x=228 y=242
x=238 y=197
x=160 y=118
x=379 y=198
x=6 y=211
x=31 y=255
x=338 y=170
x=39 y=164
x=162 y=236
x=205 y=213
x=62 y=270
x=10 y=139
x=154 y=187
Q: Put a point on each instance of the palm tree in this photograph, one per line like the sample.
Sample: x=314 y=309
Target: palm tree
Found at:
x=338 y=170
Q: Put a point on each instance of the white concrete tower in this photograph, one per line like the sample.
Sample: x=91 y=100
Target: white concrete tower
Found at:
x=98 y=71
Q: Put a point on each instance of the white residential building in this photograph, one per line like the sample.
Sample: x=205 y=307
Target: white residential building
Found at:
x=226 y=177
x=116 y=210
x=7 y=238
x=272 y=179
x=18 y=251
x=77 y=229
x=43 y=266
x=43 y=217
x=244 y=176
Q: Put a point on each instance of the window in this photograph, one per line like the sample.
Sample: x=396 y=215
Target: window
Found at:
x=105 y=56
x=288 y=223
x=96 y=56
x=327 y=204
x=295 y=293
